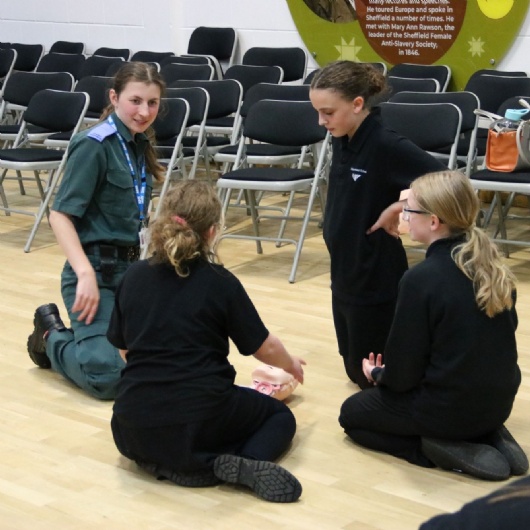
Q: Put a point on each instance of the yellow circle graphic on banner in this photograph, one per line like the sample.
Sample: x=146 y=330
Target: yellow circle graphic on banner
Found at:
x=495 y=8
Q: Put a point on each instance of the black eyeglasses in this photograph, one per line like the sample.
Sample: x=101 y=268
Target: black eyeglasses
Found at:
x=408 y=211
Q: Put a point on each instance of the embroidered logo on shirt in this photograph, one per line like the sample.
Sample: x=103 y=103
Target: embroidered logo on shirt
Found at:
x=357 y=173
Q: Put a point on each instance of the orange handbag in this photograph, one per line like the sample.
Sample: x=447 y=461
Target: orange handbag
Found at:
x=507 y=149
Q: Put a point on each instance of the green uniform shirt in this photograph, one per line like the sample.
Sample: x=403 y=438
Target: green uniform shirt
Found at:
x=97 y=189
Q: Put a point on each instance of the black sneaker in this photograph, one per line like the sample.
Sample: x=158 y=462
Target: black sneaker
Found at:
x=46 y=319
x=505 y=443
x=191 y=479
x=476 y=459
x=269 y=481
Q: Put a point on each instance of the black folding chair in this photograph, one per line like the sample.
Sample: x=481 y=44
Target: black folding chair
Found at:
x=280 y=123
x=56 y=112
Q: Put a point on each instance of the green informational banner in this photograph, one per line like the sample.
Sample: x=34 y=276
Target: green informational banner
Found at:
x=466 y=35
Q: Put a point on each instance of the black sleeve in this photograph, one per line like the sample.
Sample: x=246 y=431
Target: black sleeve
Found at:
x=245 y=327
x=408 y=347
x=115 y=329
x=408 y=161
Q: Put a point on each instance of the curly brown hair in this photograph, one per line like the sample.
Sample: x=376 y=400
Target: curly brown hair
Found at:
x=351 y=80
x=182 y=232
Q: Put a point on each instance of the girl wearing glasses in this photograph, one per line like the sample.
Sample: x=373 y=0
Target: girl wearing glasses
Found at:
x=371 y=165
x=448 y=376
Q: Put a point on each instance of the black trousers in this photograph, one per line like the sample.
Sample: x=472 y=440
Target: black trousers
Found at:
x=361 y=330
x=254 y=426
x=382 y=420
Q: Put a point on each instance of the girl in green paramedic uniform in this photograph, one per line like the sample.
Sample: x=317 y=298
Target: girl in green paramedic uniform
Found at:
x=97 y=218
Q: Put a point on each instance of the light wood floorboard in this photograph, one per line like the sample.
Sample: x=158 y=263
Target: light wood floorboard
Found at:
x=59 y=468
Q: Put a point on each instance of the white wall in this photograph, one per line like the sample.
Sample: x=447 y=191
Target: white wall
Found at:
x=165 y=25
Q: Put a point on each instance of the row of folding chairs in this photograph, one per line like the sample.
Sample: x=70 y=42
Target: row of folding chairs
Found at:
x=225 y=146
x=49 y=112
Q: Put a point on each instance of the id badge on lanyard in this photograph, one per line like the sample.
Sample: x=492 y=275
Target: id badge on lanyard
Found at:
x=139 y=187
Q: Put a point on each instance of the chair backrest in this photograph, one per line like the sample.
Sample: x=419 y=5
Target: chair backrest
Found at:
x=28 y=56
x=493 y=90
x=8 y=57
x=198 y=100
x=293 y=123
x=147 y=56
x=172 y=120
x=185 y=59
x=263 y=91
x=504 y=73
x=218 y=42
x=61 y=62
x=97 y=87
x=178 y=72
x=440 y=72
x=431 y=126
x=124 y=53
x=225 y=95
x=21 y=86
x=467 y=102
x=381 y=67
x=63 y=46
x=98 y=65
x=411 y=84
x=309 y=77
x=249 y=75
x=113 y=68
x=513 y=103
x=293 y=60
x=56 y=110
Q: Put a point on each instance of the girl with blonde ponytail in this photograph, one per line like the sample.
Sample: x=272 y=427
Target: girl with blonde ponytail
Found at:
x=447 y=379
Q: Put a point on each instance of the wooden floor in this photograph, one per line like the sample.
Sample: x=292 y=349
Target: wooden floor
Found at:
x=59 y=468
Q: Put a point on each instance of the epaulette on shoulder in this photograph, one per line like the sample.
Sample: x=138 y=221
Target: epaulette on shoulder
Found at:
x=101 y=131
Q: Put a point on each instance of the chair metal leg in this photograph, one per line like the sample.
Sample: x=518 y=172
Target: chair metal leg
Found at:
x=20 y=183
x=251 y=201
x=3 y=192
x=303 y=230
x=44 y=207
x=226 y=199
x=283 y=224
x=505 y=210
x=501 y=226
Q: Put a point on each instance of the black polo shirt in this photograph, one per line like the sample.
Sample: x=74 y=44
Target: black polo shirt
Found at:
x=177 y=331
x=367 y=175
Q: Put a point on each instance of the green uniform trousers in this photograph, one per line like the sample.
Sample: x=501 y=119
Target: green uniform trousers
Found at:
x=82 y=354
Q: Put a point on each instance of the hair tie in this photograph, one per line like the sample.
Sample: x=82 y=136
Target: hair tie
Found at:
x=179 y=220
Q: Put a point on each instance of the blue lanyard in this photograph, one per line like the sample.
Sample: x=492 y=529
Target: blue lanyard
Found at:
x=140 y=190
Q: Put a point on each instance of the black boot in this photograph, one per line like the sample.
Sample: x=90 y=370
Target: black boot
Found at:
x=479 y=460
x=269 y=481
x=505 y=443
x=46 y=319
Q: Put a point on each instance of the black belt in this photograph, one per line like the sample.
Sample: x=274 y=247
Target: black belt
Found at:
x=131 y=253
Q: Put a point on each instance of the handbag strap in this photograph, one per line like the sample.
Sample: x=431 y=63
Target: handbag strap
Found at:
x=523 y=141
x=487 y=114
